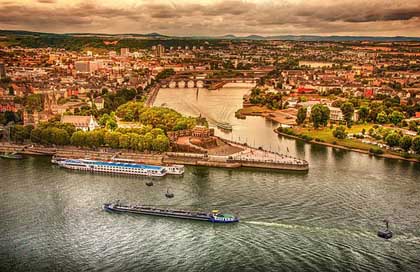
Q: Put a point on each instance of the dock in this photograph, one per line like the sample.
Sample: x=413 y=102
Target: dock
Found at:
x=246 y=158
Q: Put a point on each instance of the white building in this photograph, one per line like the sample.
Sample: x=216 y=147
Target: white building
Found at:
x=85 y=123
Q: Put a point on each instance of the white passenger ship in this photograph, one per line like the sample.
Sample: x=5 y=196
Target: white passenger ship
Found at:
x=173 y=169
x=113 y=167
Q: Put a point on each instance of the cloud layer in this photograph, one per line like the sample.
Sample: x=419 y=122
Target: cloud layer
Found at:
x=184 y=18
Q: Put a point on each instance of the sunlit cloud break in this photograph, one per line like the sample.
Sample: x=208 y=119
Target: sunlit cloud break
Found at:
x=187 y=18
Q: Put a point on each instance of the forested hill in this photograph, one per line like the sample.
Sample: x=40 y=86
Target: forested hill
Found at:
x=80 y=41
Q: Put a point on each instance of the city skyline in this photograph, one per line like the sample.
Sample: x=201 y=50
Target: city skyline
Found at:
x=215 y=18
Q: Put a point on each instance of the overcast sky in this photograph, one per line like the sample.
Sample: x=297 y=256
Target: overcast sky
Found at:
x=186 y=17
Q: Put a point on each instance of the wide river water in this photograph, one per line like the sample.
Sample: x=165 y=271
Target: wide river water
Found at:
x=324 y=220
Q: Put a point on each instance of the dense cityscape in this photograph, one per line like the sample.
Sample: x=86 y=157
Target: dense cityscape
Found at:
x=369 y=90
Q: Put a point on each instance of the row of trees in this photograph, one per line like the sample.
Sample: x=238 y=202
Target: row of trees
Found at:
x=46 y=133
x=55 y=133
x=151 y=139
x=405 y=142
x=387 y=111
x=391 y=137
x=365 y=114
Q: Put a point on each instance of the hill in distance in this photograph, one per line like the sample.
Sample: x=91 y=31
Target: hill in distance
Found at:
x=225 y=37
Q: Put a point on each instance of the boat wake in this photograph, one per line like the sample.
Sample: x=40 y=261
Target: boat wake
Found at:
x=401 y=238
x=271 y=224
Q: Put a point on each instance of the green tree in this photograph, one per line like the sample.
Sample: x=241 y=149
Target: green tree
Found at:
x=325 y=115
x=347 y=109
x=124 y=141
x=133 y=141
x=405 y=142
x=392 y=139
x=104 y=119
x=161 y=143
x=95 y=138
x=412 y=125
x=19 y=134
x=396 y=117
x=340 y=132
x=108 y=121
x=58 y=136
x=112 y=139
x=78 y=138
x=382 y=118
x=363 y=113
x=320 y=115
x=416 y=144
x=36 y=135
x=316 y=116
x=301 y=115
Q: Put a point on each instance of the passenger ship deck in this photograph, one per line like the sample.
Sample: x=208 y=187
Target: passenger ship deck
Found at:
x=113 y=167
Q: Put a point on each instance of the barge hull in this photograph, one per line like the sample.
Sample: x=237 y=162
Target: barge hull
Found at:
x=158 y=214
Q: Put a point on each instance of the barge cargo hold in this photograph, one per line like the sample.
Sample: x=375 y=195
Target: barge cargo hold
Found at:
x=214 y=216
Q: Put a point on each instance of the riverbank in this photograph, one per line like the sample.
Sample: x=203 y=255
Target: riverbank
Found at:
x=286 y=116
x=363 y=151
x=248 y=157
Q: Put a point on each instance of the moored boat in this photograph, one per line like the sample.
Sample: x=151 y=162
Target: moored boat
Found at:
x=56 y=160
x=11 y=156
x=215 y=216
x=171 y=169
x=174 y=169
x=224 y=125
x=113 y=167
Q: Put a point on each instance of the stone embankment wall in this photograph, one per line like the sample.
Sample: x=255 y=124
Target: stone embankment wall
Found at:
x=147 y=158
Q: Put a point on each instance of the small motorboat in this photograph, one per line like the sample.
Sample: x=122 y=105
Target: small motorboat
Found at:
x=224 y=125
x=169 y=194
x=385 y=233
x=149 y=183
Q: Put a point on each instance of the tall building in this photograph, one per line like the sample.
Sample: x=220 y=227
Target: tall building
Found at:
x=125 y=52
x=81 y=66
x=2 y=71
x=160 y=50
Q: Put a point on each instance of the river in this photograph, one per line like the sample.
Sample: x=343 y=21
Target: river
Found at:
x=324 y=220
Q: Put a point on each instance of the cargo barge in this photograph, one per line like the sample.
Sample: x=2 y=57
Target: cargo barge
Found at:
x=214 y=216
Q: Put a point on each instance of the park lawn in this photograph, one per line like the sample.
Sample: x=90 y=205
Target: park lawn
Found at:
x=326 y=135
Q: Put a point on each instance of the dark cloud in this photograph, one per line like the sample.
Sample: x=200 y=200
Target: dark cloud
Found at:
x=46 y=1
x=231 y=16
x=355 y=12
